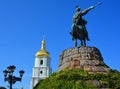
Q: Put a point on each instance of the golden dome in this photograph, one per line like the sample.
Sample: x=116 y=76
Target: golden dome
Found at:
x=43 y=51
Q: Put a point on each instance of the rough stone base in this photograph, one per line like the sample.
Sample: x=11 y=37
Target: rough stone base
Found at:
x=84 y=57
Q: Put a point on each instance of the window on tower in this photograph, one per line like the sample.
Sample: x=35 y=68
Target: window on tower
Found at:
x=41 y=62
x=41 y=72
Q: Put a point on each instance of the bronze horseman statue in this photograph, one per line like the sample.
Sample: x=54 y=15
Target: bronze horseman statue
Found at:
x=79 y=30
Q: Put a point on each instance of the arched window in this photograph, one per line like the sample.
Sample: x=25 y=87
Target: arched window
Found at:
x=41 y=62
x=41 y=72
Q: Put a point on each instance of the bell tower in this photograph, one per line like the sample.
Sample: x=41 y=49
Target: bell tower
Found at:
x=42 y=68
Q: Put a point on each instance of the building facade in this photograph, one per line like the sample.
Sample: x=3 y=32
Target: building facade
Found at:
x=42 y=68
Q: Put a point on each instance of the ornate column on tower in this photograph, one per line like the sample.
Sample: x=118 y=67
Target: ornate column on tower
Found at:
x=42 y=68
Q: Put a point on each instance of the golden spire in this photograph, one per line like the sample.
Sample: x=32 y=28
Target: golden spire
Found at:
x=43 y=44
x=43 y=51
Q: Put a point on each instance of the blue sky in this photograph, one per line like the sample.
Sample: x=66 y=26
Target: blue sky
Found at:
x=23 y=23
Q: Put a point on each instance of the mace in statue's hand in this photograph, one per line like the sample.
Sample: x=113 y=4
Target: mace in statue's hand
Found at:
x=92 y=7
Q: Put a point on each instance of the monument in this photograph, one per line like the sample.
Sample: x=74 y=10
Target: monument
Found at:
x=83 y=57
x=79 y=30
x=81 y=67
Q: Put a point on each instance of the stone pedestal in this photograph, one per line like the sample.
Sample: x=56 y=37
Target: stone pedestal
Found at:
x=84 y=57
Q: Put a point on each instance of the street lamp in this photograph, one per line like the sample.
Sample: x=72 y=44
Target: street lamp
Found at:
x=8 y=74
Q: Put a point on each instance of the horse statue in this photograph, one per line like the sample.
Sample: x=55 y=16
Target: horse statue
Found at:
x=78 y=26
x=79 y=34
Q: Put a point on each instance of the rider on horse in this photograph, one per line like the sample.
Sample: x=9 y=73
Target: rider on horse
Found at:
x=79 y=23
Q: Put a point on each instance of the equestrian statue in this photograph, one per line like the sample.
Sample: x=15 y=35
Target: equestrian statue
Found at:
x=79 y=30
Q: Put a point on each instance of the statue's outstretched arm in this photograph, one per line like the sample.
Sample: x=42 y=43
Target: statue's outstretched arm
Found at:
x=90 y=8
x=84 y=12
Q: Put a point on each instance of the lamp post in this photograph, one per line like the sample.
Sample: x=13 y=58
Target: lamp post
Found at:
x=8 y=74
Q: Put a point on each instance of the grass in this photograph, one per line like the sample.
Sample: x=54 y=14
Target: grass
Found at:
x=77 y=79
